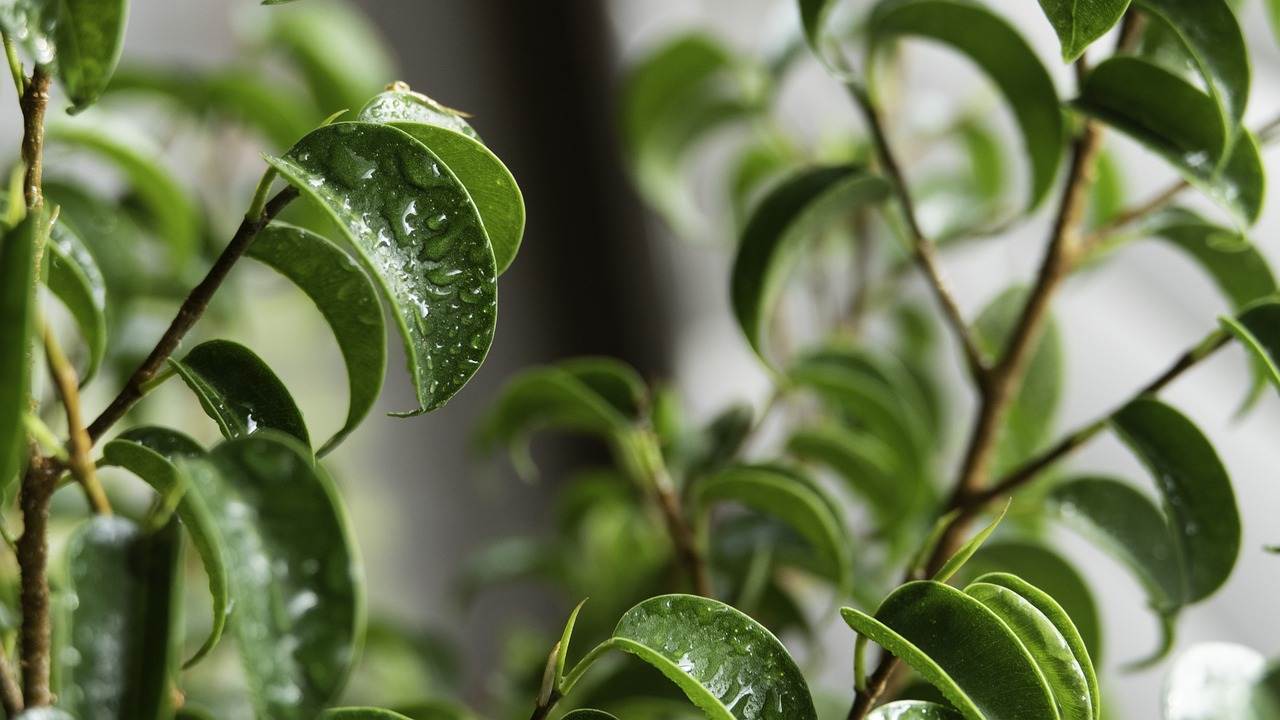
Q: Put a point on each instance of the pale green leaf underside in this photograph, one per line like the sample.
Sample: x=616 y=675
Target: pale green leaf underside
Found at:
x=74 y=277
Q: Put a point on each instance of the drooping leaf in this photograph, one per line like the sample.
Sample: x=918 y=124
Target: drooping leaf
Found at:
x=1080 y=22
x=175 y=218
x=346 y=298
x=89 y=35
x=125 y=629
x=335 y=48
x=613 y=381
x=1234 y=264
x=18 y=279
x=997 y=48
x=960 y=647
x=238 y=391
x=728 y=665
x=1214 y=681
x=792 y=498
x=419 y=234
x=861 y=460
x=490 y=184
x=1257 y=331
x=1198 y=499
x=913 y=710
x=1043 y=630
x=295 y=577
x=1030 y=421
x=1181 y=124
x=75 y=278
x=151 y=453
x=790 y=216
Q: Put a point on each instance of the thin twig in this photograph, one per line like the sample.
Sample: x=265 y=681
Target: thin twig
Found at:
x=923 y=249
x=10 y=692
x=192 y=308
x=34 y=102
x=67 y=382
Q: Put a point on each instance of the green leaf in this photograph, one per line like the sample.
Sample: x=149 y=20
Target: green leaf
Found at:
x=89 y=35
x=295 y=576
x=913 y=710
x=562 y=648
x=960 y=647
x=238 y=391
x=1047 y=570
x=17 y=306
x=1107 y=196
x=863 y=462
x=346 y=298
x=1031 y=416
x=1215 y=45
x=1233 y=263
x=728 y=665
x=1181 y=124
x=971 y=546
x=174 y=216
x=997 y=48
x=1257 y=330
x=417 y=231
x=75 y=279
x=1079 y=23
x=789 y=217
x=490 y=184
x=151 y=453
x=336 y=50
x=125 y=628
x=588 y=715
x=1198 y=498
x=792 y=498
x=1214 y=681
x=360 y=713
x=1043 y=628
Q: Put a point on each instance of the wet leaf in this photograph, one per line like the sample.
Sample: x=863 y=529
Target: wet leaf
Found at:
x=1001 y=53
x=151 y=453
x=336 y=50
x=1213 y=681
x=935 y=628
x=913 y=710
x=417 y=231
x=1257 y=330
x=1180 y=123
x=295 y=578
x=17 y=306
x=125 y=628
x=790 y=497
x=75 y=279
x=1079 y=23
x=1198 y=499
x=788 y=218
x=89 y=35
x=490 y=184
x=346 y=298
x=238 y=391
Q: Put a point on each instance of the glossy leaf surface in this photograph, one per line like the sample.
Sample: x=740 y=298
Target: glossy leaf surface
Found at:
x=90 y=36
x=728 y=665
x=969 y=548
x=789 y=216
x=419 y=234
x=1080 y=22
x=238 y=391
x=124 y=628
x=74 y=277
x=1257 y=330
x=913 y=710
x=998 y=49
x=346 y=298
x=1234 y=264
x=17 y=306
x=935 y=629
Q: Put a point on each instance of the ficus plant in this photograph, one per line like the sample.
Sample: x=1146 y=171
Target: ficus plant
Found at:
x=699 y=543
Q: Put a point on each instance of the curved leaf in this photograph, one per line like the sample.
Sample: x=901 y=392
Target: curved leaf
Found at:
x=937 y=629
x=1181 y=124
x=789 y=216
x=347 y=299
x=1062 y=670
x=913 y=710
x=335 y=48
x=490 y=184
x=970 y=547
x=790 y=497
x=151 y=454
x=295 y=577
x=89 y=35
x=175 y=218
x=864 y=462
x=1213 y=681
x=588 y=715
x=1080 y=22
x=1198 y=498
x=1258 y=331
x=238 y=391
x=125 y=626
x=1234 y=264
x=75 y=278
x=417 y=231
x=360 y=713
x=18 y=280
x=729 y=665
x=997 y=48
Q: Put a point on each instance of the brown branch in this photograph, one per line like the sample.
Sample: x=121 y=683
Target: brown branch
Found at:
x=34 y=102
x=66 y=382
x=923 y=249
x=686 y=542
x=192 y=308
x=38 y=484
x=10 y=691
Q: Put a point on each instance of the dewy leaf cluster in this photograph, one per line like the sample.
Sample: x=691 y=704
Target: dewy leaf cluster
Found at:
x=717 y=552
